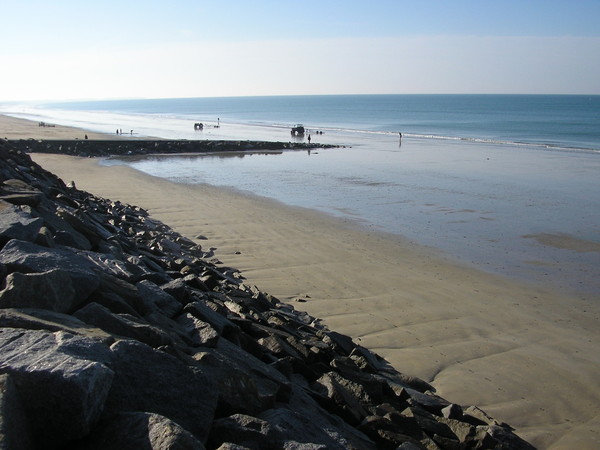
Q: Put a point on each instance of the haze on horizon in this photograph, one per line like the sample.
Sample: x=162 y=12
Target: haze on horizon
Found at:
x=67 y=50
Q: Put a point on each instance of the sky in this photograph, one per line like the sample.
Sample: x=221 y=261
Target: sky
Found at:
x=80 y=49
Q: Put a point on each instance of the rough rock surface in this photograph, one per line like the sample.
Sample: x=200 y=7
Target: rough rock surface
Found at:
x=143 y=147
x=117 y=332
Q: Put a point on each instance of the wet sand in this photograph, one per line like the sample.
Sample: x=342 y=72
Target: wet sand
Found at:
x=527 y=355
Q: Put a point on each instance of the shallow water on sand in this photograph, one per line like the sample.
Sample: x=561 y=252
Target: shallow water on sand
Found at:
x=521 y=211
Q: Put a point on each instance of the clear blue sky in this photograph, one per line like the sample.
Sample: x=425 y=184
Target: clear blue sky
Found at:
x=114 y=49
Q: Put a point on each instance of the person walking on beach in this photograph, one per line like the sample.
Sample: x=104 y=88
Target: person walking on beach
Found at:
x=309 y=138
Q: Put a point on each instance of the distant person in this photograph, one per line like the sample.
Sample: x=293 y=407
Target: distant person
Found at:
x=86 y=136
x=309 y=138
x=117 y=131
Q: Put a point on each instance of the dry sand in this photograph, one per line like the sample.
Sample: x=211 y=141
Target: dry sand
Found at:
x=527 y=355
x=13 y=128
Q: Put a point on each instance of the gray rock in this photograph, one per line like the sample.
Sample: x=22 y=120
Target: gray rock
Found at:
x=506 y=439
x=115 y=303
x=155 y=299
x=301 y=400
x=452 y=411
x=221 y=324
x=344 y=395
x=122 y=325
x=287 y=425
x=428 y=400
x=111 y=265
x=21 y=256
x=71 y=239
x=177 y=288
x=51 y=290
x=271 y=384
x=200 y=333
x=238 y=391
x=139 y=431
x=63 y=393
x=15 y=431
x=338 y=340
x=463 y=431
x=15 y=224
x=278 y=347
x=240 y=429
x=281 y=428
x=44 y=238
x=18 y=192
x=42 y=319
x=152 y=381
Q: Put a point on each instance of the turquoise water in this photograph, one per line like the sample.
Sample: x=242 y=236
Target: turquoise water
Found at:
x=569 y=121
x=477 y=177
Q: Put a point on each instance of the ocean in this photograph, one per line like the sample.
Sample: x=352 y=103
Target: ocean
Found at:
x=507 y=183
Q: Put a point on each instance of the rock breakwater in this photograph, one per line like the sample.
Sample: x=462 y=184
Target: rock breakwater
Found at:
x=117 y=332
x=142 y=147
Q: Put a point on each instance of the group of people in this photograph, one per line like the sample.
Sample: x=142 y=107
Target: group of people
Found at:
x=120 y=131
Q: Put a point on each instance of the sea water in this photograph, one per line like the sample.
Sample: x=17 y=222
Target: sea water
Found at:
x=480 y=178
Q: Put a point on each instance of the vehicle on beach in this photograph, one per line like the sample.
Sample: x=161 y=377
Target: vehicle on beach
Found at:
x=298 y=130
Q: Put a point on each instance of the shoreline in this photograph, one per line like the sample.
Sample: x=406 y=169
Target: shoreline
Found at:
x=525 y=355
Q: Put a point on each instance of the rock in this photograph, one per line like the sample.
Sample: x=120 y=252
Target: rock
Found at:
x=506 y=439
x=122 y=325
x=114 y=303
x=155 y=299
x=200 y=333
x=139 y=431
x=15 y=224
x=344 y=396
x=287 y=425
x=452 y=411
x=281 y=428
x=246 y=384
x=15 y=432
x=429 y=401
x=18 y=192
x=23 y=291
x=339 y=340
x=27 y=257
x=221 y=324
x=178 y=289
x=155 y=382
x=42 y=319
x=63 y=393
x=240 y=429
x=108 y=264
x=71 y=239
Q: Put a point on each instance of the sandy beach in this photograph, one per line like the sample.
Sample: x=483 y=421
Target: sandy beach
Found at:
x=525 y=354
x=15 y=128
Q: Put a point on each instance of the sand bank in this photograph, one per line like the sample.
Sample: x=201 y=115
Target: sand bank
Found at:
x=14 y=128
x=528 y=356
